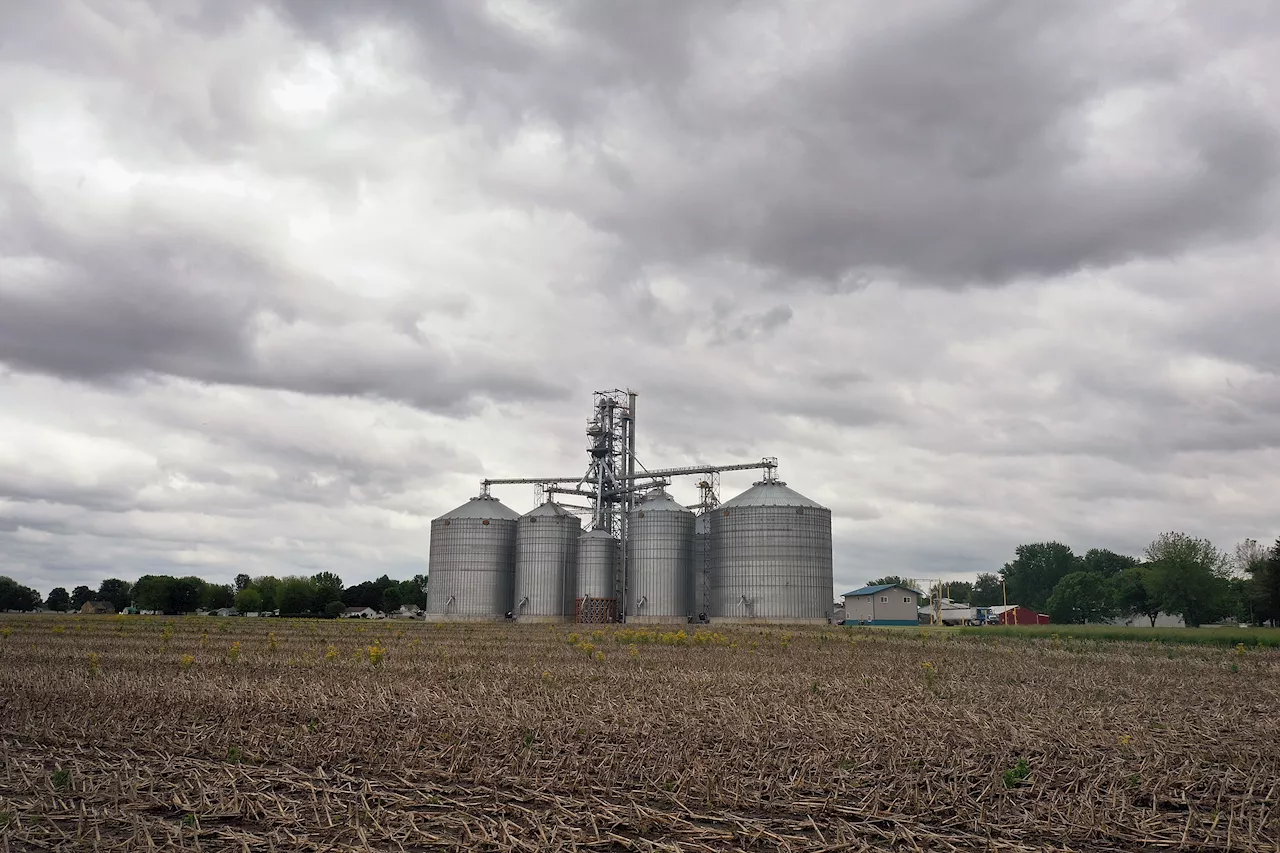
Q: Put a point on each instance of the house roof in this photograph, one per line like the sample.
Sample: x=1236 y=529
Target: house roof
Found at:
x=359 y=610
x=872 y=590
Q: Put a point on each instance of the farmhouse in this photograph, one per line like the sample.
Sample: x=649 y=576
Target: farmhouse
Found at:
x=360 y=613
x=98 y=608
x=885 y=604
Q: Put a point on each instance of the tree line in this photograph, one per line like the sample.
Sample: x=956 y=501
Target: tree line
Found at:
x=321 y=594
x=1177 y=574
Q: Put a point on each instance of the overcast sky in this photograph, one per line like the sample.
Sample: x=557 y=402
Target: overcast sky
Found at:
x=281 y=281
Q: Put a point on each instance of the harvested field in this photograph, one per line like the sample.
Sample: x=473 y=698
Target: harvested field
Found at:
x=241 y=734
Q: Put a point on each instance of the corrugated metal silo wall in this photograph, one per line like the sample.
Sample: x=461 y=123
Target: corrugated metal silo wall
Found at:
x=659 y=562
x=777 y=558
x=546 y=562
x=597 y=565
x=472 y=561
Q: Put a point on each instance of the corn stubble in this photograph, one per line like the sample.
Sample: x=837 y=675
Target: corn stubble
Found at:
x=511 y=738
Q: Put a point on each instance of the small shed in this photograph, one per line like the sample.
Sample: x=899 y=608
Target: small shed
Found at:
x=884 y=604
x=98 y=608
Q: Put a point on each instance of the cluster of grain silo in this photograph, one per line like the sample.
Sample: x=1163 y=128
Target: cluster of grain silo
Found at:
x=764 y=556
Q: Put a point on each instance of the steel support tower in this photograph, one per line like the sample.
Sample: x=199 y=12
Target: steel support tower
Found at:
x=611 y=481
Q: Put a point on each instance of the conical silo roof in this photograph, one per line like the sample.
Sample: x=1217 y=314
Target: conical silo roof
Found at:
x=547 y=509
x=770 y=493
x=483 y=506
x=660 y=501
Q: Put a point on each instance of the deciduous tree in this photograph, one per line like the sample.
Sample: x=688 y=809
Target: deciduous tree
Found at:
x=368 y=593
x=118 y=592
x=987 y=591
x=889 y=580
x=1036 y=570
x=151 y=592
x=1081 y=598
x=391 y=599
x=15 y=596
x=185 y=594
x=955 y=590
x=267 y=586
x=249 y=600
x=295 y=596
x=1189 y=577
x=328 y=588
x=1109 y=564
x=59 y=599
x=215 y=596
x=1134 y=595
x=1264 y=586
x=80 y=596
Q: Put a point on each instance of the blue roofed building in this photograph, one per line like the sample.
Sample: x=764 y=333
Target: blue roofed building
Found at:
x=886 y=604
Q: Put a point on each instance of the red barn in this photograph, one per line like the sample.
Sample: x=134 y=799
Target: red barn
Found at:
x=1016 y=614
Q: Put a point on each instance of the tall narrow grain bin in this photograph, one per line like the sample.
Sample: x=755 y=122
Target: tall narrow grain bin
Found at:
x=659 y=560
x=472 y=561
x=597 y=565
x=596 y=591
x=770 y=557
x=700 y=577
x=546 y=563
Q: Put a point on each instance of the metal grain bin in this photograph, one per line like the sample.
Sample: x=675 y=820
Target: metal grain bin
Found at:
x=659 y=560
x=597 y=565
x=472 y=561
x=700 y=577
x=546 y=563
x=771 y=557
